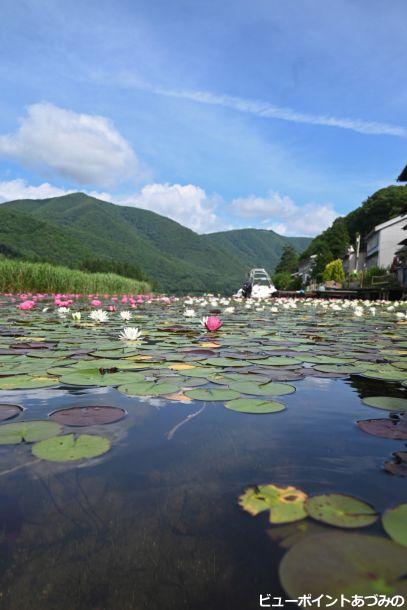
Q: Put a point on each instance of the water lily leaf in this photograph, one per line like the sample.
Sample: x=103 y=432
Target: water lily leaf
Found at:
x=385 y=375
x=386 y=402
x=394 y=427
x=292 y=533
x=93 y=377
x=149 y=388
x=340 y=510
x=9 y=411
x=70 y=448
x=253 y=405
x=87 y=416
x=394 y=521
x=181 y=366
x=277 y=361
x=343 y=563
x=266 y=389
x=398 y=466
x=28 y=432
x=212 y=394
x=286 y=504
x=26 y=382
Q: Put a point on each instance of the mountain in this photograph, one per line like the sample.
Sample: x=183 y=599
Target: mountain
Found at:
x=75 y=227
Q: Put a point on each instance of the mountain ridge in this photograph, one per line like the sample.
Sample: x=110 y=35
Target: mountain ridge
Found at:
x=77 y=226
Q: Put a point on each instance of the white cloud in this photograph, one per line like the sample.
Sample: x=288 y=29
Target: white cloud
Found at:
x=81 y=147
x=18 y=189
x=283 y=216
x=265 y=109
x=187 y=204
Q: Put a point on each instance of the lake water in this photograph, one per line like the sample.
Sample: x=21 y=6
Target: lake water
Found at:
x=155 y=523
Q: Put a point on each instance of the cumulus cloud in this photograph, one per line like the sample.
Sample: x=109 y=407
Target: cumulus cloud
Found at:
x=187 y=204
x=84 y=148
x=282 y=215
x=19 y=189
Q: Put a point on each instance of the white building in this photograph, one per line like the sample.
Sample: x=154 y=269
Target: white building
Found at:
x=383 y=242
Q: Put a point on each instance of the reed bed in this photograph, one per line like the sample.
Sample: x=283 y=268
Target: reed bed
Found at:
x=22 y=276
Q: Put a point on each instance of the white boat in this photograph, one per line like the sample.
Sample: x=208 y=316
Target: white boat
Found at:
x=261 y=284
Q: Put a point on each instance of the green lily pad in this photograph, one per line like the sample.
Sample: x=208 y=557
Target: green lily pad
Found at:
x=93 y=377
x=69 y=448
x=28 y=432
x=286 y=504
x=343 y=563
x=340 y=510
x=266 y=389
x=26 y=382
x=253 y=405
x=215 y=394
x=386 y=402
x=149 y=388
x=394 y=521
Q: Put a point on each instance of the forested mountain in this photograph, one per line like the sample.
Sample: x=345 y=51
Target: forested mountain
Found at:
x=77 y=229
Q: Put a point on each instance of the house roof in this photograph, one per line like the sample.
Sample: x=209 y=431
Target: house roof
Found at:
x=403 y=175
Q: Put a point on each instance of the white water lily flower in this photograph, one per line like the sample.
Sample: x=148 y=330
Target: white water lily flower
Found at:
x=203 y=321
x=76 y=316
x=125 y=315
x=189 y=313
x=62 y=311
x=129 y=333
x=98 y=315
x=229 y=310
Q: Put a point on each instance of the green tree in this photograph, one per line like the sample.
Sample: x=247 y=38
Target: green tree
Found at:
x=288 y=261
x=334 y=271
x=282 y=280
x=324 y=256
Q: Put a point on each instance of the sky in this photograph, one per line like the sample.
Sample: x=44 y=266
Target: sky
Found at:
x=274 y=114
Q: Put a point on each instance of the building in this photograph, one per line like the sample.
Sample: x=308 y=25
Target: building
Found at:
x=305 y=268
x=383 y=242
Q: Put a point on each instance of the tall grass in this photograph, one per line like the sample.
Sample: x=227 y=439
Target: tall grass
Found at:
x=22 y=276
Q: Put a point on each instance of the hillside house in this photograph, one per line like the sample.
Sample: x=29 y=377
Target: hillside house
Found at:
x=383 y=242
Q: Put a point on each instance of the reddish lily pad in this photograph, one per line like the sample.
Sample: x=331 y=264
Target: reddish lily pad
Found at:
x=398 y=466
x=394 y=427
x=9 y=411
x=88 y=416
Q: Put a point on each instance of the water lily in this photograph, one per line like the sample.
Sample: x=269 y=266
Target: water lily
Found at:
x=76 y=316
x=63 y=311
x=126 y=315
x=211 y=323
x=129 y=333
x=189 y=313
x=229 y=310
x=98 y=315
x=26 y=305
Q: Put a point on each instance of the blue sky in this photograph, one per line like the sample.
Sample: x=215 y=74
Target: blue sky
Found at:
x=266 y=113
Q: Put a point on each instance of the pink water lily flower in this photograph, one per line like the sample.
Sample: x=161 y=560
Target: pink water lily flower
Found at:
x=96 y=303
x=26 y=305
x=213 y=323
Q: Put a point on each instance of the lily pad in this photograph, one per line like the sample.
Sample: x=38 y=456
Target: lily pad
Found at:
x=149 y=388
x=394 y=427
x=266 y=389
x=394 y=521
x=340 y=510
x=286 y=504
x=343 y=563
x=215 y=394
x=398 y=466
x=26 y=382
x=9 y=411
x=386 y=402
x=253 y=405
x=70 y=447
x=28 y=432
x=87 y=416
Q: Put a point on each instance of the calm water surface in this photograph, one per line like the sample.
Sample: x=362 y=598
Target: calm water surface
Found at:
x=155 y=523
